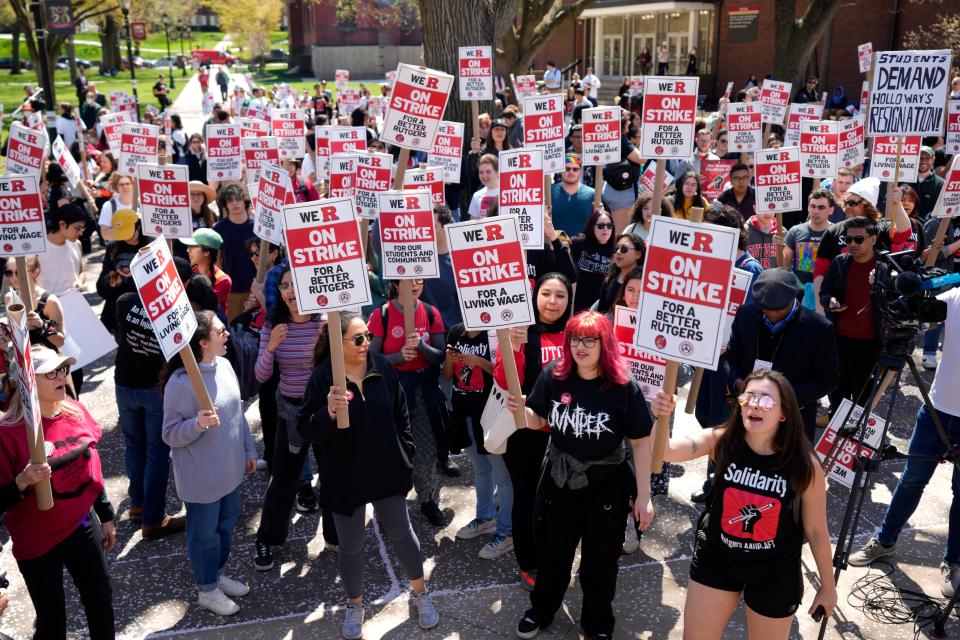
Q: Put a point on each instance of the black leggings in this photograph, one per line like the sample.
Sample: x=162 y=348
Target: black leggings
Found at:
x=524 y=457
x=82 y=555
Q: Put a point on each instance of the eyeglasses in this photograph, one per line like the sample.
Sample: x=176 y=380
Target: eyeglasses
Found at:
x=63 y=370
x=589 y=343
x=286 y=286
x=624 y=248
x=757 y=400
x=857 y=239
x=254 y=254
x=849 y=202
x=604 y=225
x=360 y=338
x=739 y=178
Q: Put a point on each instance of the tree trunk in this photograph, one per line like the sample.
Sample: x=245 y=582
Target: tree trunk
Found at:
x=72 y=59
x=796 y=39
x=15 y=54
x=109 y=45
x=825 y=57
x=536 y=22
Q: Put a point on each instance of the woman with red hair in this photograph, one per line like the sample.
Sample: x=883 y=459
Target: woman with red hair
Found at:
x=591 y=405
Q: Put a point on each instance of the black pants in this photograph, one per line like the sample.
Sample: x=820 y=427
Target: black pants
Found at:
x=524 y=456
x=223 y=92
x=268 y=417
x=857 y=359
x=594 y=517
x=82 y=555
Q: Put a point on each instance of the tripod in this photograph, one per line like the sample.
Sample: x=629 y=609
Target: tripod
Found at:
x=888 y=369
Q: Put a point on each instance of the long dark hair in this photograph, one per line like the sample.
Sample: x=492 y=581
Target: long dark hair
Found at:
x=553 y=327
x=321 y=351
x=792 y=449
x=635 y=274
x=589 y=237
x=637 y=243
x=636 y=216
x=204 y=328
x=281 y=313
x=678 y=197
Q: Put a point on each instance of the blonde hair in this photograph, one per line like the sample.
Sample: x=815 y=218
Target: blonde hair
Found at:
x=15 y=411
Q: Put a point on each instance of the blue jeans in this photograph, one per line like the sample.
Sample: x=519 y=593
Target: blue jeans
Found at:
x=145 y=454
x=925 y=441
x=209 y=536
x=931 y=339
x=490 y=470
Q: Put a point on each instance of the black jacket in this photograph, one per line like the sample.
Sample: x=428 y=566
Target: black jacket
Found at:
x=834 y=285
x=371 y=459
x=806 y=355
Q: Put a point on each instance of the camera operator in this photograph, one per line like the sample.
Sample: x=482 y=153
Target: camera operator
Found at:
x=946 y=252
x=925 y=441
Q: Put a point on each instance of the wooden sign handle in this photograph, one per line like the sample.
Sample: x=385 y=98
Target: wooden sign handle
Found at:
x=199 y=389
x=661 y=428
x=26 y=287
x=658 y=187
x=780 y=256
x=408 y=303
x=335 y=335
x=937 y=240
x=513 y=378
x=475 y=112
x=263 y=264
x=696 y=215
x=598 y=189
x=891 y=207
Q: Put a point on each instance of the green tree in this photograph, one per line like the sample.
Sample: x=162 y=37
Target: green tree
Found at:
x=250 y=23
x=535 y=22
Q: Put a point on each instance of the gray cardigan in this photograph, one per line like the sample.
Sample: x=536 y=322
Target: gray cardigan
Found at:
x=207 y=465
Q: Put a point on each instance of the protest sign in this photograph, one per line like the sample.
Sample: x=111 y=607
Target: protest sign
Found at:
x=636 y=86
x=739 y=286
x=883 y=158
x=289 y=128
x=778 y=180
x=22 y=230
x=224 y=154
x=669 y=110
x=865 y=56
x=64 y=158
x=844 y=468
x=26 y=149
x=648 y=369
x=543 y=128
x=165 y=200
x=164 y=297
x=207 y=102
x=274 y=192
x=374 y=175
x=525 y=86
x=326 y=255
x=490 y=273
x=417 y=102
x=948 y=203
x=774 y=98
x=908 y=96
x=112 y=130
x=686 y=290
x=407 y=237
x=713 y=175
x=256 y=151
x=799 y=112
x=447 y=147
x=343 y=174
x=430 y=178
x=850 y=142
x=601 y=136
x=88 y=339
x=348 y=100
x=254 y=128
x=376 y=105
x=521 y=193
x=138 y=144
x=819 y=144
x=952 y=140
x=744 y=126
x=347 y=139
x=341 y=78
x=476 y=73
x=322 y=145
x=648 y=179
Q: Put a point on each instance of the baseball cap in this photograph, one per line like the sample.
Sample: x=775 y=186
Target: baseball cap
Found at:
x=48 y=361
x=124 y=223
x=204 y=238
x=927 y=150
x=498 y=123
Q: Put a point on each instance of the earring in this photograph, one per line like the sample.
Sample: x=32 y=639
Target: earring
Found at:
x=783 y=418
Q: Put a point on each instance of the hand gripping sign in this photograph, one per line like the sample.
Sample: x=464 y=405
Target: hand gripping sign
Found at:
x=63 y=157
x=407 y=235
x=908 y=96
x=744 y=126
x=774 y=98
x=22 y=230
x=273 y=193
x=256 y=151
x=164 y=297
x=601 y=136
x=476 y=73
x=819 y=148
x=343 y=174
x=883 y=158
x=778 y=180
x=165 y=200
x=446 y=151
x=224 y=154
x=543 y=128
x=138 y=144
x=289 y=128
x=25 y=151
x=648 y=369
x=521 y=193
x=427 y=178
x=374 y=175
x=669 y=111
x=417 y=102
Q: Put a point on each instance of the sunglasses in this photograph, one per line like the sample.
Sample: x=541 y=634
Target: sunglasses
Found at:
x=757 y=401
x=852 y=203
x=852 y=239
x=589 y=343
x=624 y=248
x=604 y=225
x=254 y=254
x=9 y=273
x=63 y=370
x=360 y=338
x=572 y=169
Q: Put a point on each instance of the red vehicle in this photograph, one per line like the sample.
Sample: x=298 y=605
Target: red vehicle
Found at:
x=213 y=56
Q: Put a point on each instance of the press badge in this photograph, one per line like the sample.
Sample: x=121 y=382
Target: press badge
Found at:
x=759 y=365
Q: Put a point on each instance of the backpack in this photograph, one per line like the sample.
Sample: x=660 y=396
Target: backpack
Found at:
x=245 y=340
x=622 y=175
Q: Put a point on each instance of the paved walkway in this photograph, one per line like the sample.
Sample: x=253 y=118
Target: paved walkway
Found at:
x=189 y=104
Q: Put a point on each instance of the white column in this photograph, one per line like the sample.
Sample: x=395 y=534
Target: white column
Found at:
x=692 y=31
x=598 y=45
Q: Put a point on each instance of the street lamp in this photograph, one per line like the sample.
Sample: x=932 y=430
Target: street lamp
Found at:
x=125 y=8
x=183 y=60
x=166 y=36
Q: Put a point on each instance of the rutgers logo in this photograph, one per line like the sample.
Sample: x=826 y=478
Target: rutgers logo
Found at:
x=397 y=332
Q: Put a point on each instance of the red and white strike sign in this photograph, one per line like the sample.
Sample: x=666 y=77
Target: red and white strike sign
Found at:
x=343 y=174
x=25 y=151
x=326 y=255
x=601 y=136
x=274 y=192
x=774 y=98
x=256 y=151
x=819 y=148
x=490 y=273
x=407 y=235
x=164 y=297
x=165 y=200
x=799 y=112
x=686 y=290
x=322 y=136
x=138 y=144
x=525 y=86
x=447 y=147
x=521 y=193
x=289 y=127
x=883 y=158
x=738 y=295
x=347 y=140
x=778 y=180
x=648 y=179
x=744 y=126
x=952 y=139
x=865 y=56
x=648 y=369
x=374 y=176
x=844 y=470
x=254 y=127
x=543 y=128
x=112 y=129
x=636 y=86
x=948 y=203
x=430 y=178
x=850 y=142
x=341 y=78
x=476 y=73
x=417 y=102
x=669 y=111
x=22 y=229
x=64 y=158
x=224 y=154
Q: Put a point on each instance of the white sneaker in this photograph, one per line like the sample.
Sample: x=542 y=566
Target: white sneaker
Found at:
x=930 y=361
x=497 y=546
x=949 y=578
x=476 y=528
x=352 y=628
x=218 y=602
x=232 y=588
x=630 y=541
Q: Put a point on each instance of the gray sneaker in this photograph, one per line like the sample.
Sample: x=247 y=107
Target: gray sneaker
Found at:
x=949 y=578
x=353 y=624
x=427 y=614
x=873 y=550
